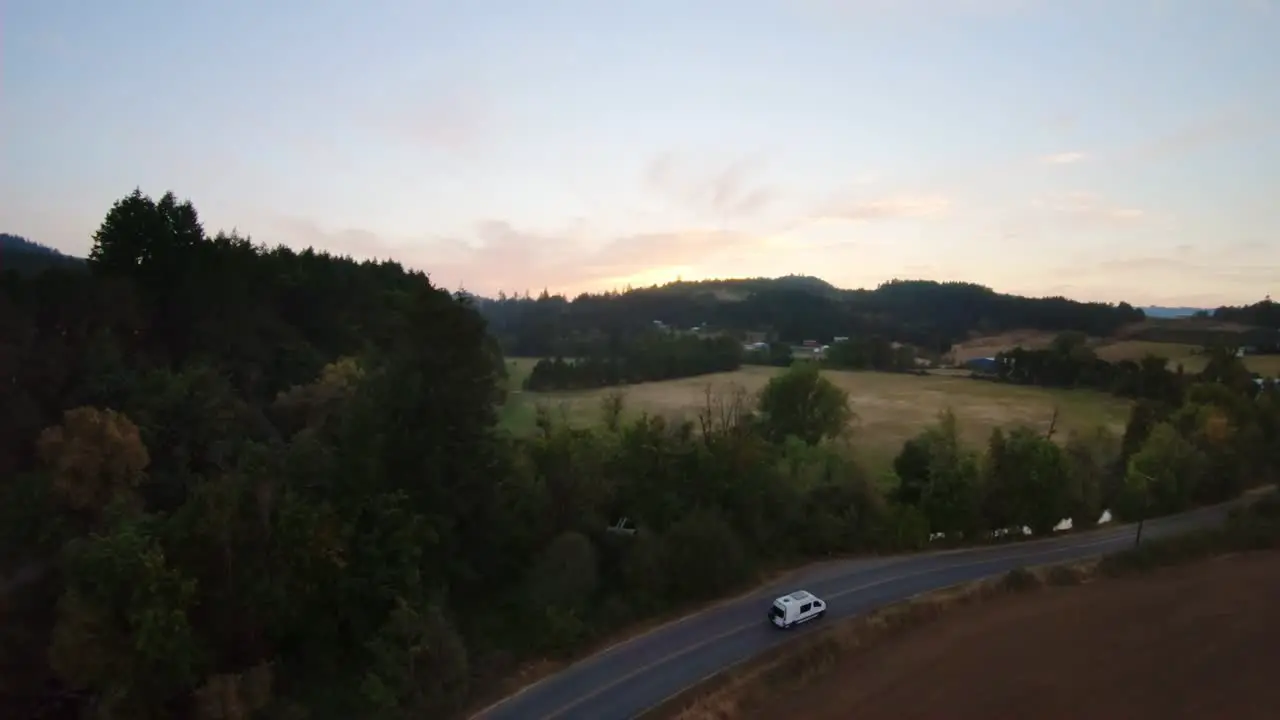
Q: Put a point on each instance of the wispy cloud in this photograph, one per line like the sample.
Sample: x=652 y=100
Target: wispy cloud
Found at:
x=729 y=192
x=499 y=256
x=888 y=208
x=1088 y=206
x=1178 y=275
x=1059 y=121
x=1224 y=126
x=1079 y=213
x=1244 y=276
x=1063 y=158
x=933 y=8
x=449 y=121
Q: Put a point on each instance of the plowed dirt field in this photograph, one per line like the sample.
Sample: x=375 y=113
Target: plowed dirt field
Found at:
x=1200 y=641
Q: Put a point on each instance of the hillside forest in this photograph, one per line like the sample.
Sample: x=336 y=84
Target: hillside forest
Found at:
x=241 y=481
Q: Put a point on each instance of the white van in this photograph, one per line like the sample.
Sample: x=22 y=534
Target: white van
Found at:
x=799 y=607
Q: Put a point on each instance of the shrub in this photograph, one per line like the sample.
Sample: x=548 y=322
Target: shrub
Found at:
x=1020 y=580
x=1062 y=575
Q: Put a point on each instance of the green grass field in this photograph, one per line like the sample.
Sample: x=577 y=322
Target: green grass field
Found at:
x=890 y=407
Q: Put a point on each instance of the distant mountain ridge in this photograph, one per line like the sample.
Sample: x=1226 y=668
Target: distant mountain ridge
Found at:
x=17 y=243
x=1160 y=311
x=27 y=256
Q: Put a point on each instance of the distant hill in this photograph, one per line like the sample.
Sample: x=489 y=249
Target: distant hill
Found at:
x=1265 y=313
x=17 y=243
x=931 y=315
x=1158 y=311
x=27 y=256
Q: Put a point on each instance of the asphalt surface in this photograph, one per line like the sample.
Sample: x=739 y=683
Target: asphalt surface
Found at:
x=623 y=681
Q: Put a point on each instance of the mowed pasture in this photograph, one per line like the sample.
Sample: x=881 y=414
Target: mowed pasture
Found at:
x=1190 y=357
x=890 y=407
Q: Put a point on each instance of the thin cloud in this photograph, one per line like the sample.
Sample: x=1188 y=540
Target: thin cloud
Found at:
x=888 y=208
x=453 y=121
x=1145 y=278
x=1060 y=121
x=358 y=243
x=1078 y=211
x=730 y=192
x=1256 y=6
x=499 y=256
x=510 y=259
x=1182 y=266
x=1063 y=158
x=1225 y=126
x=1089 y=207
x=860 y=9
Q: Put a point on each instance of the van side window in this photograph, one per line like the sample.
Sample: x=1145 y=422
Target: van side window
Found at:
x=805 y=607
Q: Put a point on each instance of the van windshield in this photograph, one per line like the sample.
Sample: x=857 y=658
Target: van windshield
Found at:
x=775 y=611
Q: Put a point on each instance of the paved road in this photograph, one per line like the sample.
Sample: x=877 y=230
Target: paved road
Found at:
x=627 y=679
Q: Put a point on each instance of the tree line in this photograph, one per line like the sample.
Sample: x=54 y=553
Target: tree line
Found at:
x=871 y=353
x=772 y=354
x=1206 y=446
x=1265 y=313
x=1069 y=362
x=666 y=355
x=650 y=356
x=248 y=482
x=20 y=255
x=929 y=315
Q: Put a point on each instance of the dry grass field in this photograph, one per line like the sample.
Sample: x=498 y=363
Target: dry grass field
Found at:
x=1188 y=356
x=990 y=345
x=890 y=407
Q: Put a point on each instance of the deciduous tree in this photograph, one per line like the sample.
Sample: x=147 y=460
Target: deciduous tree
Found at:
x=802 y=403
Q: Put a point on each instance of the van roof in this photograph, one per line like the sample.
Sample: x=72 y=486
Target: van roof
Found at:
x=797 y=596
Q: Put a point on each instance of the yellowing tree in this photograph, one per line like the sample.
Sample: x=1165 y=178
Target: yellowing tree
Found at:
x=93 y=457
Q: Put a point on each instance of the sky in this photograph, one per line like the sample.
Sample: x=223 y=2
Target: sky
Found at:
x=1103 y=150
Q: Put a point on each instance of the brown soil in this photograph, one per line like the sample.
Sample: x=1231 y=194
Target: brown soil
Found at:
x=1201 y=641
x=989 y=345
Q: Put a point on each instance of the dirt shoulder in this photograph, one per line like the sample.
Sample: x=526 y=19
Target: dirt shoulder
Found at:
x=1197 y=641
